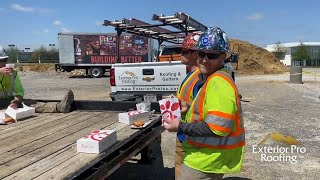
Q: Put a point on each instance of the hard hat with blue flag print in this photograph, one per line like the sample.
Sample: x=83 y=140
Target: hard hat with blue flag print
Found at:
x=213 y=39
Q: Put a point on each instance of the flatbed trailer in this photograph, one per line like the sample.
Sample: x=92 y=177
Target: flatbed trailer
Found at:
x=44 y=146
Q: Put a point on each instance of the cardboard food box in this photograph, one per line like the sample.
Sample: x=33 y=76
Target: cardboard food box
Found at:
x=20 y=113
x=170 y=108
x=145 y=106
x=132 y=116
x=97 y=141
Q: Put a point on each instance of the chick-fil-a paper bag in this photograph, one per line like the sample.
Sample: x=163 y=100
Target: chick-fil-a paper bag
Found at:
x=170 y=108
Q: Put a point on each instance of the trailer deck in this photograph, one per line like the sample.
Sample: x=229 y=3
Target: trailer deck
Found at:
x=44 y=146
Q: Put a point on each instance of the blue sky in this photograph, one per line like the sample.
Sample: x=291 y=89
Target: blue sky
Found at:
x=261 y=22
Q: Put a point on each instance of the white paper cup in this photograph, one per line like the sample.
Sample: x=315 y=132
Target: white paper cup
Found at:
x=10 y=66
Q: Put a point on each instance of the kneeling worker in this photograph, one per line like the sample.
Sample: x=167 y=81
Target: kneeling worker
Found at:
x=12 y=90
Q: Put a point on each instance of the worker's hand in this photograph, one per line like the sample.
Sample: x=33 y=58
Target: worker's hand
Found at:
x=5 y=71
x=14 y=104
x=172 y=125
x=184 y=107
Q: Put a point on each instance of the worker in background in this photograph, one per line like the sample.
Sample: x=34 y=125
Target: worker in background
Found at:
x=12 y=90
x=185 y=92
x=214 y=129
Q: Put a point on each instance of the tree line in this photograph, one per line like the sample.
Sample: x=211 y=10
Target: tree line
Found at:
x=42 y=54
x=301 y=52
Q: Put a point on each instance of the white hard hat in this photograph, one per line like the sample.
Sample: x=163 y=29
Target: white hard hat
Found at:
x=3 y=54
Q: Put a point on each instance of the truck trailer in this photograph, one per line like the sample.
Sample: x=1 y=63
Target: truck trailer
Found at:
x=96 y=52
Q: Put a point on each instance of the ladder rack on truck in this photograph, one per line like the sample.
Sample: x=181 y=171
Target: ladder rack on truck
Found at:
x=44 y=146
x=180 y=21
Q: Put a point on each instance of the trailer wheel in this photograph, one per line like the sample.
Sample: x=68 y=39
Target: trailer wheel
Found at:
x=96 y=72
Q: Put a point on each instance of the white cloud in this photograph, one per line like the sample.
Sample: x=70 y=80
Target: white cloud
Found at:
x=57 y=23
x=22 y=8
x=60 y=26
x=64 y=29
x=255 y=17
x=43 y=31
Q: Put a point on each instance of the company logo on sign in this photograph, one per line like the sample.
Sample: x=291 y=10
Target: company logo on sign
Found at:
x=97 y=135
x=280 y=138
x=276 y=153
x=148 y=79
x=128 y=77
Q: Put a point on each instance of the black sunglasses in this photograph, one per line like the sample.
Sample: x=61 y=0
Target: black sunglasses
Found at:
x=209 y=55
x=186 y=51
x=4 y=60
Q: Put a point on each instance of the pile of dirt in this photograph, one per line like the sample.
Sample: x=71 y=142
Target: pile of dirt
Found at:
x=38 y=67
x=255 y=60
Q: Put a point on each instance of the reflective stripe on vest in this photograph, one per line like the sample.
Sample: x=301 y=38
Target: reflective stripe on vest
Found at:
x=220 y=121
x=225 y=124
x=227 y=142
x=186 y=88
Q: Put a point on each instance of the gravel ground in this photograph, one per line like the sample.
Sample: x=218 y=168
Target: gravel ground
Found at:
x=53 y=86
x=270 y=104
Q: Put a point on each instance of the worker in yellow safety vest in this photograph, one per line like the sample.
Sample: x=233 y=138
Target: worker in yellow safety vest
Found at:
x=186 y=92
x=11 y=91
x=10 y=85
x=214 y=128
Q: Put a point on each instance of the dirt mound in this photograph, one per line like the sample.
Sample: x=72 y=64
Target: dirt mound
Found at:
x=38 y=67
x=255 y=60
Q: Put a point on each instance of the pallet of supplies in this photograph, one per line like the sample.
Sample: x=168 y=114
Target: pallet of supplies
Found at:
x=170 y=108
x=97 y=141
x=132 y=116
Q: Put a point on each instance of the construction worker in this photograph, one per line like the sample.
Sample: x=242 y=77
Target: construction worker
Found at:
x=185 y=91
x=214 y=129
x=11 y=91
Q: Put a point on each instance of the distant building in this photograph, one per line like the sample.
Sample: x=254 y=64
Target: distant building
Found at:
x=313 y=47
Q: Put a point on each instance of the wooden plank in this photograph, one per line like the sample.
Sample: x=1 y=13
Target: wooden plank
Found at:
x=24 y=121
x=40 y=132
x=69 y=139
x=79 y=160
x=41 y=143
x=32 y=123
x=31 y=171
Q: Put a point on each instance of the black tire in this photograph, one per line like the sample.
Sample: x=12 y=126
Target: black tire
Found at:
x=96 y=72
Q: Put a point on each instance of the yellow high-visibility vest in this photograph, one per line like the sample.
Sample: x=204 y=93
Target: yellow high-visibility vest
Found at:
x=218 y=104
x=10 y=85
